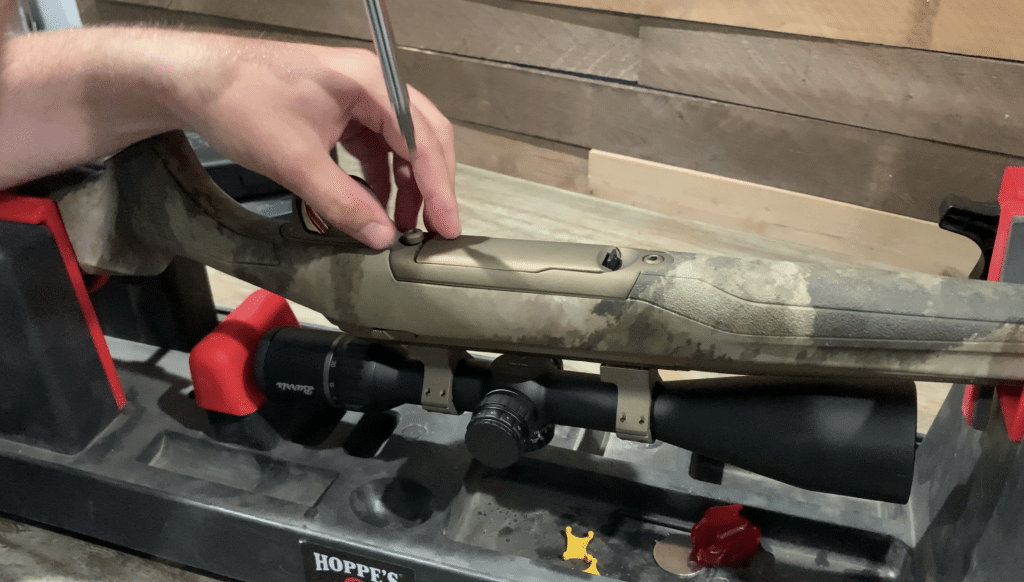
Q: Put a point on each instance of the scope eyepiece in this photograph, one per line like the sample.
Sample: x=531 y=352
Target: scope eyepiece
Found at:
x=296 y=362
x=335 y=369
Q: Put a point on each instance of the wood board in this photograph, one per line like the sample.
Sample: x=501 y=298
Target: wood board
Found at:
x=522 y=156
x=987 y=28
x=948 y=98
x=870 y=168
x=898 y=241
x=954 y=99
x=554 y=37
x=865 y=167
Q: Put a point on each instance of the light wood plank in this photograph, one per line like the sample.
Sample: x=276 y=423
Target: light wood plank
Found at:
x=877 y=21
x=522 y=156
x=991 y=28
x=987 y=28
x=950 y=98
x=492 y=204
x=898 y=241
x=930 y=396
x=554 y=37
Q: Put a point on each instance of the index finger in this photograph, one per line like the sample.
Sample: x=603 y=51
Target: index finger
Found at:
x=429 y=165
x=440 y=207
x=445 y=132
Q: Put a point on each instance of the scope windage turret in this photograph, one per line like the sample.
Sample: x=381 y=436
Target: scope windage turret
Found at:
x=852 y=437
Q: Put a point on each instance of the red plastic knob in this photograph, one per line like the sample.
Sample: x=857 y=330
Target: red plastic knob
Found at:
x=723 y=537
x=223 y=364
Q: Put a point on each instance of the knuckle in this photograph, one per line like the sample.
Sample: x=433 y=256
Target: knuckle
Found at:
x=447 y=129
x=363 y=60
x=289 y=169
x=339 y=213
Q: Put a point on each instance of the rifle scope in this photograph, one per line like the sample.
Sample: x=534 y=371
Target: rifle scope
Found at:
x=847 y=436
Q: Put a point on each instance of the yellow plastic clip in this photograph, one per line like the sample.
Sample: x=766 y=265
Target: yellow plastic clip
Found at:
x=576 y=548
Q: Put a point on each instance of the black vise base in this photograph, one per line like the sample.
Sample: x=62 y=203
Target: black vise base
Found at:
x=411 y=505
x=54 y=393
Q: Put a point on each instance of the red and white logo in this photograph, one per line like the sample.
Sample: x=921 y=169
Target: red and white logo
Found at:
x=363 y=573
x=311 y=219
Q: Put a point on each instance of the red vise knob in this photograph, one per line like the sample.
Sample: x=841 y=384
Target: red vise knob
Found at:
x=723 y=537
x=223 y=364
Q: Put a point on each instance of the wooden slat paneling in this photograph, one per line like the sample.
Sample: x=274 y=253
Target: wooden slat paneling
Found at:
x=603 y=45
x=898 y=241
x=517 y=155
x=993 y=28
x=950 y=98
x=870 y=168
x=988 y=28
x=865 y=167
x=123 y=13
x=521 y=156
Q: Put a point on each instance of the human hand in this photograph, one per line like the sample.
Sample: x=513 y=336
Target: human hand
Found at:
x=278 y=108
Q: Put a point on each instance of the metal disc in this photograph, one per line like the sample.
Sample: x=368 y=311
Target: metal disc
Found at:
x=673 y=555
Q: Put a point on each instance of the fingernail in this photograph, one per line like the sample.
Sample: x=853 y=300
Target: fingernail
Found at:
x=378 y=236
x=458 y=223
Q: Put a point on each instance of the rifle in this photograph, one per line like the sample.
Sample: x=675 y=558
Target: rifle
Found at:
x=837 y=337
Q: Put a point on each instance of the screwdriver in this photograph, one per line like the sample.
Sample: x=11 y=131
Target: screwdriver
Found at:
x=384 y=41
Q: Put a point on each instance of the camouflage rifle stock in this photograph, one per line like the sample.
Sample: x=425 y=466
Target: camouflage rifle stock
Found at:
x=643 y=308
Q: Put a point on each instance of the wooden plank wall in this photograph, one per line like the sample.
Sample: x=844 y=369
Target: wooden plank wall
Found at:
x=540 y=91
x=990 y=28
x=935 y=96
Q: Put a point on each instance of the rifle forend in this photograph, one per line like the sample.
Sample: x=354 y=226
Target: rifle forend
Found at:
x=644 y=308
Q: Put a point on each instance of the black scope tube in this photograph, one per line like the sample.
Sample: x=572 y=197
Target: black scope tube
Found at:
x=853 y=437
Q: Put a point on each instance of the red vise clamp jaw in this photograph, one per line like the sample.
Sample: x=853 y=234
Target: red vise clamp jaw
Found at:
x=1011 y=205
x=223 y=363
x=44 y=212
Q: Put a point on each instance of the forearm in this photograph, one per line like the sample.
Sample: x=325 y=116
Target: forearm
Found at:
x=70 y=97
